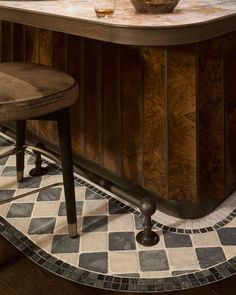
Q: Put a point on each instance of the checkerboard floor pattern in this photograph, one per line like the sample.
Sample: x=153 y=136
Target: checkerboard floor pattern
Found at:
x=106 y=229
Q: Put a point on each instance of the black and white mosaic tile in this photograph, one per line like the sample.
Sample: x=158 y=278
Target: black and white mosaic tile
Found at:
x=105 y=254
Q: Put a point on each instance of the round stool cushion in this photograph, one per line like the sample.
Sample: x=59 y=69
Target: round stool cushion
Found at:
x=30 y=90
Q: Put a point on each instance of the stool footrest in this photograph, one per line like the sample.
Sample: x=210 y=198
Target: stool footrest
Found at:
x=30 y=193
x=8 y=153
x=44 y=152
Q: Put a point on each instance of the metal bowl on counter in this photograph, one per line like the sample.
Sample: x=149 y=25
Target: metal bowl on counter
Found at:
x=154 y=6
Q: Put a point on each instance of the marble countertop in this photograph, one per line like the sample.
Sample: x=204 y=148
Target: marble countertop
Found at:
x=193 y=20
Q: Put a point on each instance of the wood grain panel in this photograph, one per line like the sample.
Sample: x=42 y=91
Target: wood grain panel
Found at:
x=75 y=68
x=211 y=120
x=131 y=91
x=111 y=111
x=92 y=100
x=1 y=45
x=155 y=132
x=45 y=128
x=31 y=55
x=139 y=108
x=31 y=44
x=60 y=50
x=18 y=42
x=45 y=47
x=230 y=111
x=182 y=174
x=6 y=40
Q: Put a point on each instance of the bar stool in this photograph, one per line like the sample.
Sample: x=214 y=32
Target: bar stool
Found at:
x=39 y=92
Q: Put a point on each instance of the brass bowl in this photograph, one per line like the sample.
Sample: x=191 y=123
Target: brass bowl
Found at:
x=154 y=6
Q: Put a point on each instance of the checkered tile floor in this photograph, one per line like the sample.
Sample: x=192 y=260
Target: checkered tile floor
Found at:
x=107 y=228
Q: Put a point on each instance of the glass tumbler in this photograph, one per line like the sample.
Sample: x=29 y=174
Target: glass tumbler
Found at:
x=104 y=8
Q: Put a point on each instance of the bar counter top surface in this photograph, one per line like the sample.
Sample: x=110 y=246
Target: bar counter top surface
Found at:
x=192 y=21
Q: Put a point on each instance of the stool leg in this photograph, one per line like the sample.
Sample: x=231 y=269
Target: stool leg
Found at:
x=20 y=141
x=67 y=169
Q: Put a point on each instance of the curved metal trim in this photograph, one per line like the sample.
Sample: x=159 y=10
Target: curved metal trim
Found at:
x=30 y=193
x=44 y=152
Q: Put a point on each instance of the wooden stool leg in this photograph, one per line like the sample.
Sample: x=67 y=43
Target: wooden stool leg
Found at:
x=20 y=141
x=67 y=169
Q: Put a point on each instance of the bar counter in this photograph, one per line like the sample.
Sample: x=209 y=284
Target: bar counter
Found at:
x=192 y=21
x=157 y=110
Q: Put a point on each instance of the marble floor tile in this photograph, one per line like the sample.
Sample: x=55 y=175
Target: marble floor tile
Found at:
x=53 y=194
x=210 y=256
x=90 y=195
x=94 y=261
x=121 y=241
x=182 y=258
x=45 y=209
x=121 y=222
x=94 y=223
x=20 y=210
x=154 y=260
x=64 y=244
x=211 y=238
x=227 y=235
x=62 y=208
x=123 y=262
x=94 y=242
x=100 y=207
x=173 y=240
x=41 y=226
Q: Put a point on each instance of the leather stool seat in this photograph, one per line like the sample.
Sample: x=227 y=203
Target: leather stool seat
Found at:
x=40 y=92
x=30 y=90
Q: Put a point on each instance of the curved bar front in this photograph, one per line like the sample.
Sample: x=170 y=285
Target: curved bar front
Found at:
x=157 y=110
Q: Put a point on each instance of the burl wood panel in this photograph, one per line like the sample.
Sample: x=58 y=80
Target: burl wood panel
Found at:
x=211 y=119
x=181 y=109
x=155 y=147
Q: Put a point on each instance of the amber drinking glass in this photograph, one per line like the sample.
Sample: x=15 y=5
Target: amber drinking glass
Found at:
x=104 y=8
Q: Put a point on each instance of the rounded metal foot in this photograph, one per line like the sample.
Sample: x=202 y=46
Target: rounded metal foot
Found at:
x=38 y=172
x=147 y=237
x=150 y=241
